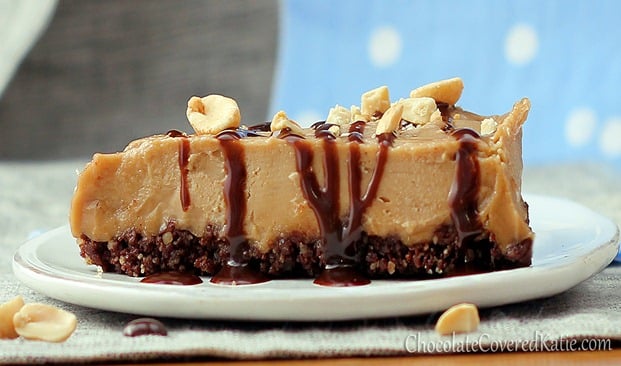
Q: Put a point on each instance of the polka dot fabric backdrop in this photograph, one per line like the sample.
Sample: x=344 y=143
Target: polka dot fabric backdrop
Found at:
x=563 y=55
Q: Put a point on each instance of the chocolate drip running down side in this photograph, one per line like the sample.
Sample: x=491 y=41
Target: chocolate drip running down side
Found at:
x=464 y=192
x=236 y=270
x=358 y=203
x=324 y=201
x=339 y=239
x=184 y=157
x=235 y=202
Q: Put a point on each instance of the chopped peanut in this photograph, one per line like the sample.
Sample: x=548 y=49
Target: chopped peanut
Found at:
x=375 y=101
x=339 y=115
x=280 y=121
x=390 y=121
x=418 y=110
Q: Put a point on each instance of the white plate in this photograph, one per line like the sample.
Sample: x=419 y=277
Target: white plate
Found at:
x=572 y=243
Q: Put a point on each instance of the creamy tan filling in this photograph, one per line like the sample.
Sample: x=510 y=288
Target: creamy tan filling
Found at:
x=139 y=188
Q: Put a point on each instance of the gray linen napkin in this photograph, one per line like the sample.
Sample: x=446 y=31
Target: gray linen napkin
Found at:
x=587 y=317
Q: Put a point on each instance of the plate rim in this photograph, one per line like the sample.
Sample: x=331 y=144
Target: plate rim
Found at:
x=37 y=275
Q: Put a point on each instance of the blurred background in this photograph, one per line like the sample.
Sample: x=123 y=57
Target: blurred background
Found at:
x=101 y=73
x=80 y=77
x=563 y=55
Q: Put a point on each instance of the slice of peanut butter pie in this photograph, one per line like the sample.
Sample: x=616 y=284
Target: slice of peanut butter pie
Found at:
x=408 y=188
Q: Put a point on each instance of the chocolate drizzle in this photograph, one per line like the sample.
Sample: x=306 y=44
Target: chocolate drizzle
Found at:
x=356 y=130
x=445 y=112
x=184 y=156
x=359 y=203
x=340 y=238
x=176 y=133
x=234 y=198
x=324 y=201
x=318 y=124
x=236 y=270
x=464 y=193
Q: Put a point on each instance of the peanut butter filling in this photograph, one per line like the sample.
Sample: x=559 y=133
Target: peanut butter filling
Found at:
x=399 y=170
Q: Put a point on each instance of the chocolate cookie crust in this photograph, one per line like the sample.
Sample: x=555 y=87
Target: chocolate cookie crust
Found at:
x=296 y=256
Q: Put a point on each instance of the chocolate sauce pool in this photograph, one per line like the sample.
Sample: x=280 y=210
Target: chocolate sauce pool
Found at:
x=172 y=278
x=235 y=275
x=339 y=236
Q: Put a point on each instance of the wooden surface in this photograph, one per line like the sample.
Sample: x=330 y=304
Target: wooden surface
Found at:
x=535 y=358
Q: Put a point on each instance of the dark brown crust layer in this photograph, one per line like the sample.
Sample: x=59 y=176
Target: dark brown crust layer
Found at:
x=296 y=256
